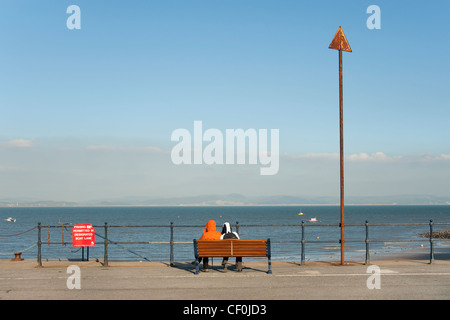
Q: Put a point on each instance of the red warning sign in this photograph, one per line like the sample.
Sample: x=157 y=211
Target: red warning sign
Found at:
x=83 y=235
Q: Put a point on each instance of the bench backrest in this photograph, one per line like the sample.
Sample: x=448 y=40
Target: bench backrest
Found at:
x=232 y=248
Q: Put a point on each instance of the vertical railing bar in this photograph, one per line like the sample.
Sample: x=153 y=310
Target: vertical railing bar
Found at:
x=105 y=258
x=431 y=243
x=171 y=245
x=39 y=256
x=367 y=243
x=303 y=244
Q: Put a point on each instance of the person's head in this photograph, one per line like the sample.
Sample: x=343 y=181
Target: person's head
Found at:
x=211 y=225
x=226 y=228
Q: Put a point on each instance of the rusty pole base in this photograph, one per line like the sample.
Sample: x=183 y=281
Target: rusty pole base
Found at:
x=17 y=256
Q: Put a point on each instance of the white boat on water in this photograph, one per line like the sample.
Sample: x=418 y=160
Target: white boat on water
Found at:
x=10 y=219
x=313 y=220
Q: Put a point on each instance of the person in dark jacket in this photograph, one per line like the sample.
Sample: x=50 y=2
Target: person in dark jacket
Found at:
x=227 y=233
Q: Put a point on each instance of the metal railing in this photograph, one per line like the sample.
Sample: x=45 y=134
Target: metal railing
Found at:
x=302 y=242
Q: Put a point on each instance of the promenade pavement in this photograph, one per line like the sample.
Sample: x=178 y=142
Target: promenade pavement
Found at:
x=386 y=279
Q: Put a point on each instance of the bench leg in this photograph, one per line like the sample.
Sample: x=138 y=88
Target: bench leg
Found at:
x=196 y=266
x=269 y=255
x=270 y=266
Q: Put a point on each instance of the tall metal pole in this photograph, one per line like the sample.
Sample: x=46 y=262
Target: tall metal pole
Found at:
x=340 y=43
x=341 y=127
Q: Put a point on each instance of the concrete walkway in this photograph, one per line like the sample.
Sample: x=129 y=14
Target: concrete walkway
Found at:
x=396 y=279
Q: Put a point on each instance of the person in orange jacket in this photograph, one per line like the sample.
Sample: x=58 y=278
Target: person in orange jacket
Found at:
x=209 y=233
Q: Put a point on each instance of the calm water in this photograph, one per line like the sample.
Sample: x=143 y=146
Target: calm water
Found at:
x=27 y=218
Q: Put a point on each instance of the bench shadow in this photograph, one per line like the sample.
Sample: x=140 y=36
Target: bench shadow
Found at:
x=186 y=266
x=189 y=267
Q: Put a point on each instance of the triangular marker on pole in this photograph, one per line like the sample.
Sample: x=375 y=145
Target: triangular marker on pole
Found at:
x=340 y=42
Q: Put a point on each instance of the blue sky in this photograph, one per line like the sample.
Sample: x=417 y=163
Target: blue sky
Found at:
x=88 y=113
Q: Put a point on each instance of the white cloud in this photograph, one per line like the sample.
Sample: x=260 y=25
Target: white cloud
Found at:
x=377 y=156
x=17 y=143
x=373 y=157
x=444 y=157
x=427 y=157
x=356 y=157
x=318 y=156
x=123 y=148
x=10 y=169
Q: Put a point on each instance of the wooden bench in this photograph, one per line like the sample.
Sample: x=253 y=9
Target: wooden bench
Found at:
x=231 y=248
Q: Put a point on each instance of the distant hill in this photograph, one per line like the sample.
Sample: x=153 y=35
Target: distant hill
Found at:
x=237 y=200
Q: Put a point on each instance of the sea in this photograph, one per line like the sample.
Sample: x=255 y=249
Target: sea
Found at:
x=144 y=233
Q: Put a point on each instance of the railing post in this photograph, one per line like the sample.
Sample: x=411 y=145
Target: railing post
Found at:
x=39 y=257
x=303 y=243
x=171 y=244
x=237 y=227
x=367 y=243
x=431 y=243
x=105 y=258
